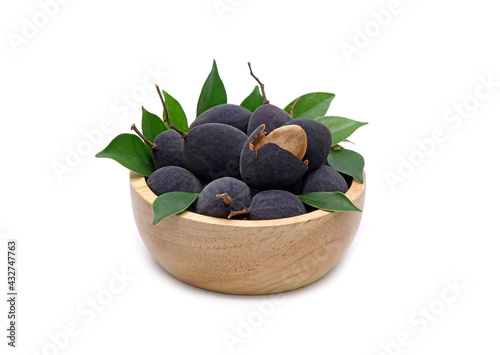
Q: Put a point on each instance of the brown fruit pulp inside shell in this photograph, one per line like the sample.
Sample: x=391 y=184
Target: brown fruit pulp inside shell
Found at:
x=292 y=138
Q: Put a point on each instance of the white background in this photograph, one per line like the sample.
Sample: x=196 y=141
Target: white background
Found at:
x=437 y=224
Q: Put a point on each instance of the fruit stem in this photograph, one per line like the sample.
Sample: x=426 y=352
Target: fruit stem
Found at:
x=227 y=199
x=292 y=108
x=167 y=119
x=266 y=101
x=245 y=210
x=151 y=144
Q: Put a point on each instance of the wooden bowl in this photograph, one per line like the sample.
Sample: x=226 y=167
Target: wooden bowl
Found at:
x=246 y=257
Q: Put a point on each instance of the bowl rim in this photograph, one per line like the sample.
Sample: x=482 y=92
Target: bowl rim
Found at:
x=138 y=183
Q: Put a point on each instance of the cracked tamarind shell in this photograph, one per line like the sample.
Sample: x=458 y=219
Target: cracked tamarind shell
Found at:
x=233 y=115
x=212 y=151
x=319 y=141
x=273 y=161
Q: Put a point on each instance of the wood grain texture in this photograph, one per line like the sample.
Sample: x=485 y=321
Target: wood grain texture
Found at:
x=246 y=257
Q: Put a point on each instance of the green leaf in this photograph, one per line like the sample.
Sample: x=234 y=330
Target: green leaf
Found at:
x=312 y=105
x=348 y=162
x=175 y=112
x=329 y=201
x=171 y=203
x=130 y=151
x=253 y=100
x=341 y=127
x=213 y=92
x=152 y=125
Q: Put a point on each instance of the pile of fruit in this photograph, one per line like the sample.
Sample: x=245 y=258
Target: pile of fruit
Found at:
x=254 y=160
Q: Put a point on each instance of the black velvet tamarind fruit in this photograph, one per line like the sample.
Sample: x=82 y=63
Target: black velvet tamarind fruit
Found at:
x=267 y=114
x=166 y=148
x=324 y=179
x=233 y=115
x=173 y=178
x=222 y=196
x=210 y=150
x=272 y=116
x=273 y=204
